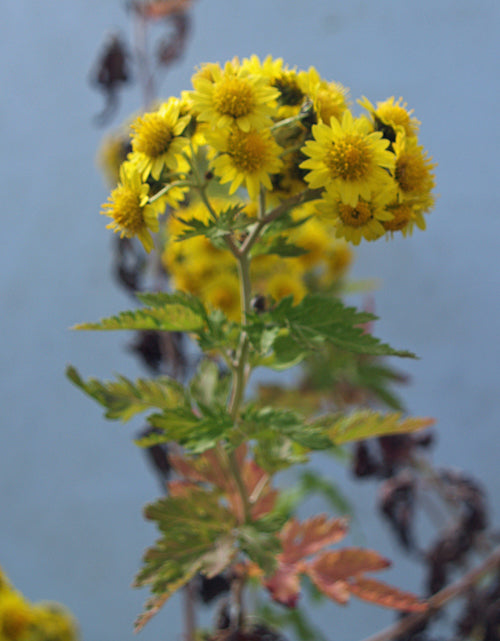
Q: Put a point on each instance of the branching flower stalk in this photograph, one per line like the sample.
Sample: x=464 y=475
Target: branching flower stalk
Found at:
x=267 y=178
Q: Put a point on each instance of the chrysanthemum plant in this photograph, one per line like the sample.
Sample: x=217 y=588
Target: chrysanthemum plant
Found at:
x=251 y=187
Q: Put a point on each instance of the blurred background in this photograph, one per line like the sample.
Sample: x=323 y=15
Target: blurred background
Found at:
x=72 y=485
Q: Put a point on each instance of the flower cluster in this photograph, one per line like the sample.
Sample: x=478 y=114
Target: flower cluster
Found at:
x=261 y=135
x=21 y=620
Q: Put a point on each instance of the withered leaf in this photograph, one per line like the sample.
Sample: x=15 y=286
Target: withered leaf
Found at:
x=385 y=595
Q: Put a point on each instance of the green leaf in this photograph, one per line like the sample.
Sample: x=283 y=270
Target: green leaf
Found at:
x=368 y=424
x=262 y=547
x=123 y=398
x=280 y=247
x=164 y=312
x=265 y=420
x=209 y=386
x=196 y=433
x=295 y=619
x=317 y=319
x=228 y=221
x=196 y=536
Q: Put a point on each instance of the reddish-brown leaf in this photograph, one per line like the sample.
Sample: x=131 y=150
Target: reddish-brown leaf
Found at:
x=300 y=540
x=343 y=564
x=385 y=595
x=161 y=8
x=284 y=585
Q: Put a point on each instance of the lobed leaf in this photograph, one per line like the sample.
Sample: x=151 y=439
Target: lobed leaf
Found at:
x=164 y=312
x=368 y=424
x=385 y=595
x=123 y=398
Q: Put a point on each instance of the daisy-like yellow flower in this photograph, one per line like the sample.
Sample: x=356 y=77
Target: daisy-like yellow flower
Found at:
x=363 y=220
x=391 y=116
x=347 y=157
x=129 y=207
x=405 y=216
x=285 y=80
x=233 y=96
x=311 y=236
x=330 y=99
x=414 y=169
x=157 y=140
x=246 y=157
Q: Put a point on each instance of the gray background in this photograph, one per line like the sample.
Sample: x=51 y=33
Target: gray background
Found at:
x=71 y=485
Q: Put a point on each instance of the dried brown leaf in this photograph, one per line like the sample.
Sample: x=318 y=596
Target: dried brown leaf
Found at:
x=385 y=595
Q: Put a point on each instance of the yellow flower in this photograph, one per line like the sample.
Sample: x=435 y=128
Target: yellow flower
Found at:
x=53 y=622
x=413 y=171
x=363 y=220
x=286 y=283
x=233 y=96
x=313 y=237
x=345 y=156
x=223 y=292
x=130 y=210
x=392 y=116
x=405 y=216
x=285 y=80
x=15 y=616
x=248 y=157
x=112 y=153
x=329 y=98
x=157 y=140
x=338 y=261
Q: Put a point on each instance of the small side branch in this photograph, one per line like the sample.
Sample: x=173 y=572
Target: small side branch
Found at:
x=440 y=599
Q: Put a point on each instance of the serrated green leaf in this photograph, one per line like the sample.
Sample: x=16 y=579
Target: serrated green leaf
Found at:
x=285 y=423
x=123 y=398
x=196 y=433
x=262 y=547
x=196 y=536
x=279 y=246
x=166 y=312
x=317 y=318
x=368 y=424
x=228 y=221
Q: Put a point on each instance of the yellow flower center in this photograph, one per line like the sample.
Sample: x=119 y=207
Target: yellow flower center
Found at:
x=402 y=215
x=349 y=158
x=248 y=150
x=412 y=173
x=127 y=211
x=234 y=97
x=355 y=216
x=152 y=135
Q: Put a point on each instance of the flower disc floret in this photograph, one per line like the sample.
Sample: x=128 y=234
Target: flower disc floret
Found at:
x=365 y=219
x=157 y=141
x=348 y=157
x=330 y=99
x=233 y=96
x=246 y=157
x=129 y=208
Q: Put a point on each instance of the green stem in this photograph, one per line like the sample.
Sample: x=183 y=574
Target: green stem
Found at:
x=167 y=188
